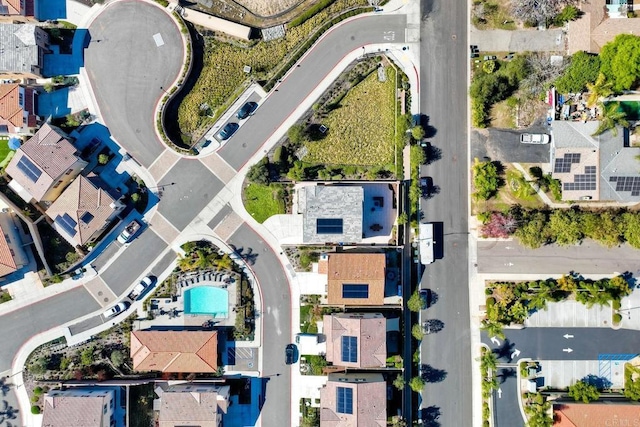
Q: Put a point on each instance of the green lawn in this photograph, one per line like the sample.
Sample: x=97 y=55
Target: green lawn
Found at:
x=361 y=128
x=263 y=201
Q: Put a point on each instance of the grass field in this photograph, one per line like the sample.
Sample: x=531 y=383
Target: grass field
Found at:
x=5 y=153
x=223 y=73
x=263 y=201
x=361 y=129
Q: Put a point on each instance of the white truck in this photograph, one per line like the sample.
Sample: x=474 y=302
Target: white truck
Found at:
x=129 y=231
x=534 y=138
x=425 y=240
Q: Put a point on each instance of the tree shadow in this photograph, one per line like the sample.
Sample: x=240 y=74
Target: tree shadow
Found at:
x=432 y=153
x=430 y=416
x=601 y=383
x=433 y=297
x=246 y=254
x=4 y=387
x=431 y=374
x=507 y=373
x=505 y=350
x=432 y=326
x=431 y=191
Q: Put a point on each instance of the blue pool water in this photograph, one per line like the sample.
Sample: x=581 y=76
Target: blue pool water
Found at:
x=206 y=300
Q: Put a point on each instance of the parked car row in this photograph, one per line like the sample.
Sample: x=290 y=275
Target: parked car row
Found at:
x=146 y=283
x=244 y=112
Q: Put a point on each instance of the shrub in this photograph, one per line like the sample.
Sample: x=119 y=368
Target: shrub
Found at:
x=259 y=173
x=35 y=409
x=117 y=358
x=617 y=318
x=583 y=69
x=37 y=391
x=583 y=391
x=306 y=14
x=416 y=384
x=399 y=382
x=416 y=331
x=64 y=363
x=569 y=13
x=486 y=180
x=103 y=159
x=489 y=66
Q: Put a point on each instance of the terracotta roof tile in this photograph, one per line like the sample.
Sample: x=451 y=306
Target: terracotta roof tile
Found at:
x=371 y=332
x=356 y=268
x=11 y=113
x=596 y=414
x=7 y=263
x=369 y=401
x=175 y=351
x=196 y=404
x=77 y=411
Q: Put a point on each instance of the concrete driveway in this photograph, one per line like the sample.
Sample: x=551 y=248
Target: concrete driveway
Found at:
x=518 y=41
x=135 y=50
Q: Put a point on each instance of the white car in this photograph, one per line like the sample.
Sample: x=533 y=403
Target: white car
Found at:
x=115 y=310
x=141 y=287
x=534 y=138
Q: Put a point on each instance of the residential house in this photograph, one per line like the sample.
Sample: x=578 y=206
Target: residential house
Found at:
x=355 y=278
x=12 y=254
x=85 y=209
x=356 y=340
x=17 y=109
x=591 y=167
x=23 y=47
x=595 y=414
x=354 y=400
x=44 y=165
x=17 y=7
x=331 y=213
x=195 y=404
x=79 y=407
x=175 y=351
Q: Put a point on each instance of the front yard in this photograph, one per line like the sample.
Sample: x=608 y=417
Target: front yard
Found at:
x=263 y=201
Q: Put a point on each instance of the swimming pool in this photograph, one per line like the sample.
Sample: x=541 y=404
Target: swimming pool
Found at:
x=631 y=109
x=206 y=300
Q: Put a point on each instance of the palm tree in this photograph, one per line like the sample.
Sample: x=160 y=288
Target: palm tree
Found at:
x=601 y=88
x=612 y=117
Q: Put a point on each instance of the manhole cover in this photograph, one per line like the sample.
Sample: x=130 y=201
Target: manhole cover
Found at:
x=99 y=293
x=106 y=299
x=250 y=364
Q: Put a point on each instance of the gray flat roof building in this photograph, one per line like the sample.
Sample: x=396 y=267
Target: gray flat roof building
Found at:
x=22 y=49
x=332 y=213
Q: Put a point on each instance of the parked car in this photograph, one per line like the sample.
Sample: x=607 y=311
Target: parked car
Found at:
x=290 y=354
x=247 y=109
x=534 y=138
x=424 y=298
x=228 y=130
x=145 y=283
x=115 y=310
x=424 y=183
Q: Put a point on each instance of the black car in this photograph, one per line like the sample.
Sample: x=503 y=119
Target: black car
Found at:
x=228 y=130
x=246 y=110
x=424 y=298
x=290 y=354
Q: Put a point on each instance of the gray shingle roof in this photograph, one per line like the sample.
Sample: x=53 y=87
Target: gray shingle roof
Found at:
x=19 y=48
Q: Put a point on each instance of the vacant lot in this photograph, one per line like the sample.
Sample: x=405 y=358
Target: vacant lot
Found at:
x=361 y=128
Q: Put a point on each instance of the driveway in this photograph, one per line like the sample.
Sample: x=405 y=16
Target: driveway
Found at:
x=518 y=41
x=504 y=145
x=135 y=50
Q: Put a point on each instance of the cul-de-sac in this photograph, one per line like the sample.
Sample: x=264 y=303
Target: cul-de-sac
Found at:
x=319 y=213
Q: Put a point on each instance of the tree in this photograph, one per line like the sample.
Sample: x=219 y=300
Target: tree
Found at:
x=399 y=382
x=416 y=384
x=601 y=88
x=259 y=173
x=631 y=228
x=567 y=283
x=583 y=68
x=39 y=366
x=486 y=179
x=117 y=358
x=493 y=329
x=415 y=302
x=604 y=227
x=499 y=225
x=564 y=226
x=103 y=159
x=86 y=357
x=489 y=66
x=296 y=133
x=539 y=11
x=542 y=73
x=612 y=117
x=488 y=361
x=417 y=132
x=533 y=231
x=584 y=391
x=297 y=172
x=416 y=331
x=620 y=61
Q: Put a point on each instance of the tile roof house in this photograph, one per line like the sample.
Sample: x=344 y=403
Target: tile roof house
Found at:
x=175 y=351
x=195 y=404
x=356 y=340
x=595 y=414
x=44 y=165
x=79 y=407
x=354 y=400
x=17 y=109
x=17 y=7
x=23 y=47
x=331 y=213
x=12 y=255
x=356 y=279
x=596 y=167
x=85 y=209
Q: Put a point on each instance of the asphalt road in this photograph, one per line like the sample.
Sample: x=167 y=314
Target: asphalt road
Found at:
x=19 y=326
x=127 y=70
x=586 y=258
x=443 y=98
x=186 y=189
x=550 y=343
x=504 y=145
x=506 y=412
x=302 y=81
x=276 y=320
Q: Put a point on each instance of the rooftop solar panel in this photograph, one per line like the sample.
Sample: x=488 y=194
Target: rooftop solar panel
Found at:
x=67 y=224
x=349 y=349
x=30 y=170
x=344 y=400
x=329 y=226
x=355 y=291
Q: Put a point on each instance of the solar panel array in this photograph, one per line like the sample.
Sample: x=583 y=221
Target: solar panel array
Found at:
x=563 y=164
x=627 y=183
x=355 y=291
x=30 y=170
x=86 y=217
x=586 y=181
x=329 y=226
x=344 y=400
x=67 y=224
x=349 y=349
